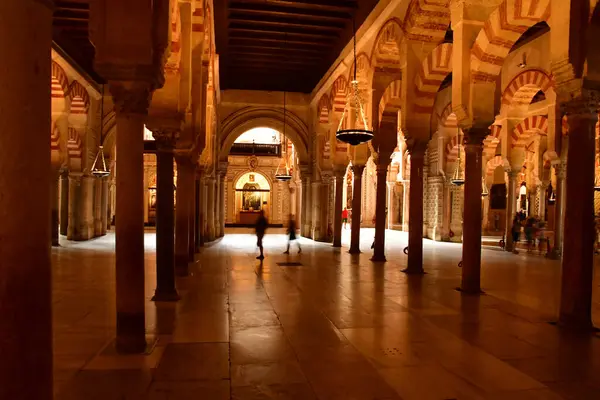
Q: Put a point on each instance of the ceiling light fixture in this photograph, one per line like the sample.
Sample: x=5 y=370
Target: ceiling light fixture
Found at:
x=285 y=175
x=99 y=169
x=356 y=135
x=458 y=178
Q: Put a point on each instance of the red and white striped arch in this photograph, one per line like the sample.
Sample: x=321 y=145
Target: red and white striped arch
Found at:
x=523 y=87
x=323 y=108
x=391 y=101
x=452 y=149
x=427 y=20
x=434 y=69
x=54 y=138
x=80 y=99
x=60 y=82
x=198 y=17
x=386 y=55
x=528 y=128
x=490 y=143
x=494 y=163
x=500 y=32
x=74 y=149
x=174 y=59
x=447 y=118
x=338 y=94
x=363 y=70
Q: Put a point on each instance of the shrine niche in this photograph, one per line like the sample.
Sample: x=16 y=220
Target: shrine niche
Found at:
x=252 y=195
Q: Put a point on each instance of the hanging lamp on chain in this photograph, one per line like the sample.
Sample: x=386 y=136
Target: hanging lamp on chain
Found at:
x=361 y=132
x=484 y=189
x=284 y=175
x=99 y=168
x=458 y=177
x=596 y=176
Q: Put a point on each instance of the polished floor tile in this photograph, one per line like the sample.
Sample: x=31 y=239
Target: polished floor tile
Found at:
x=323 y=325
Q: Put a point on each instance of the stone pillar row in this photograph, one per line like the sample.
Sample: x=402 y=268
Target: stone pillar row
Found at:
x=383 y=162
x=415 y=221
x=357 y=172
x=338 y=207
x=511 y=207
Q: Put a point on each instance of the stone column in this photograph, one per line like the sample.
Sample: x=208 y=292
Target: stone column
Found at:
x=217 y=205
x=104 y=206
x=559 y=210
x=131 y=104
x=406 y=207
x=511 y=206
x=204 y=207
x=542 y=199
x=415 y=209
x=192 y=215
x=75 y=195
x=25 y=209
x=337 y=212
x=165 y=217
x=357 y=171
x=579 y=233
x=306 y=214
x=201 y=205
x=380 y=207
x=97 y=207
x=54 y=217
x=223 y=186
x=471 y=255
x=185 y=188
x=317 y=224
x=198 y=242
x=64 y=202
x=210 y=211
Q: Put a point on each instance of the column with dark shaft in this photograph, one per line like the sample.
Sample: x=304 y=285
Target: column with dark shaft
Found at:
x=165 y=217
x=185 y=183
x=559 y=211
x=25 y=274
x=415 y=209
x=201 y=205
x=64 y=202
x=223 y=186
x=337 y=211
x=383 y=163
x=357 y=171
x=210 y=211
x=579 y=232
x=54 y=223
x=192 y=215
x=471 y=266
x=131 y=103
x=510 y=209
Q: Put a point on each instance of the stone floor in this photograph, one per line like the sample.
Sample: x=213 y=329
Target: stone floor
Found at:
x=334 y=326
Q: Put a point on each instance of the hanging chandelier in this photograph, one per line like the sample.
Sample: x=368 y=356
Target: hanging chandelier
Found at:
x=458 y=177
x=596 y=176
x=285 y=175
x=361 y=132
x=484 y=190
x=99 y=168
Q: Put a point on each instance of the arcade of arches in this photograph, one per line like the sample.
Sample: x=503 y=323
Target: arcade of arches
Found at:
x=502 y=93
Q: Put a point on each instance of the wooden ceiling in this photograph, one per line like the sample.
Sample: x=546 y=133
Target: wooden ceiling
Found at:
x=70 y=32
x=282 y=44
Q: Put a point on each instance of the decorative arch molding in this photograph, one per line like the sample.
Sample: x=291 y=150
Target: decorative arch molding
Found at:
x=338 y=94
x=529 y=127
x=490 y=143
x=363 y=70
x=74 y=149
x=447 y=118
x=427 y=20
x=386 y=55
x=525 y=85
x=497 y=161
x=80 y=99
x=254 y=117
x=434 y=69
x=323 y=108
x=258 y=171
x=500 y=32
x=60 y=82
x=391 y=101
x=452 y=149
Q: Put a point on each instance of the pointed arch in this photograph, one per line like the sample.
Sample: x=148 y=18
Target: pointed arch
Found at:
x=525 y=85
x=434 y=69
x=500 y=32
x=528 y=128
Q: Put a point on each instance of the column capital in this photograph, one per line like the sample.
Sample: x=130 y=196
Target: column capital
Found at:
x=512 y=174
x=416 y=148
x=131 y=97
x=561 y=170
x=339 y=173
x=184 y=157
x=585 y=105
x=475 y=136
x=358 y=169
x=165 y=138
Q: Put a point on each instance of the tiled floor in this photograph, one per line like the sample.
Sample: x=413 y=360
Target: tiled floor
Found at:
x=335 y=327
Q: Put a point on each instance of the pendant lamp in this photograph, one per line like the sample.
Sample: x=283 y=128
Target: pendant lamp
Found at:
x=99 y=167
x=361 y=132
x=597 y=177
x=285 y=175
x=458 y=177
x=484 y=190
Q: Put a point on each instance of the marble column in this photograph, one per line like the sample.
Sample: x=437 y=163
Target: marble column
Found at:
x=337 y=211
x=25 y=272
x=579 y=233
x=97 y=207
x=316 y=224
x=165 y=217
x=104 y=206
x=64 y=202
x=204 y=207
x=380 y=207
x=192 y=216
x=415 y=209
x=357 y=171
x=210 y=211
x=201 y=205
x=471 y=254
x=559 y=211
x=74 y=231
x=198 y=242
x=306 y=214
x=542 y=199
x=217 y=205
x=131 y=104
x=511 y=207
x=185 y=188
x=223 y=186
x=54 y=215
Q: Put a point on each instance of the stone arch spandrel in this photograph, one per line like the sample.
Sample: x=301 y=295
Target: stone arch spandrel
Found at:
x=254 y=117
x=427 y=20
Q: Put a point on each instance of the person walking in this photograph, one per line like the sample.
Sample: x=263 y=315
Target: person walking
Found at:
x=292 y=235
x=516 y=232
x=261 y=227
x=345 y=218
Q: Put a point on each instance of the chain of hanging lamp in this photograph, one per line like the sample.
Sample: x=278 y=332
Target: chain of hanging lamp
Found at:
x=99 y=168
x=285 y=175
x=354 y=136
x=458 y=177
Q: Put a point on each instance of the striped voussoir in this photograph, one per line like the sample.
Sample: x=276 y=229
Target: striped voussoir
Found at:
x=74 y=144
x=500 y=32
x=80 y=99
x=54 y=138
x=447 y=118
x=198 y=17
x=494 y=163
x=452 y=149
x=391 y=101
x=434 y=69
x=323 y=108
x=427 y=20
x=363 y=67
x=528 y=128
x=522 y=89
x=60 y=82
x=338 y=94
x=490 y=143
x=386 y=51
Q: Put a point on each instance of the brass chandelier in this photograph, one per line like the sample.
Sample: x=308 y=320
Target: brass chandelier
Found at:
x=458 y=177
x=99 y=168
x=285 y=175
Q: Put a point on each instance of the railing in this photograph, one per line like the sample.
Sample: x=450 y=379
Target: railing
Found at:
x=258 y=149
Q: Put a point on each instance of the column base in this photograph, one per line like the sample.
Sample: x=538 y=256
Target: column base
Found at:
x=336 y=244
x=414 y=271
x=378 y=259
x=574 y=325
x=166 y=295
x=131 y=333
x=55 y=244
x=354 y=251
x=554 y=254
x=474 y=292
